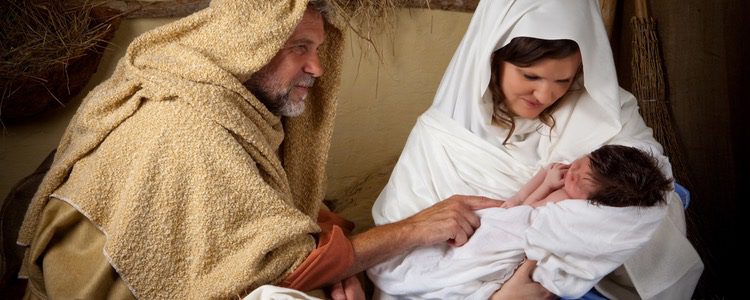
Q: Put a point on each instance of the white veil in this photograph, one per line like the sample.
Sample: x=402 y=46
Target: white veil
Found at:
x=494 y=25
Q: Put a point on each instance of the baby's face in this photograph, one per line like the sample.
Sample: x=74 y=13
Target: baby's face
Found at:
x=578 y=182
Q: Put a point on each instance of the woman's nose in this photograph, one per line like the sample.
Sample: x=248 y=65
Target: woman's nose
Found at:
x=544 y=93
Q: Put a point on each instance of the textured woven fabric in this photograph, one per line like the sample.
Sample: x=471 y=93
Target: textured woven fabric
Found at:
x=187 y=174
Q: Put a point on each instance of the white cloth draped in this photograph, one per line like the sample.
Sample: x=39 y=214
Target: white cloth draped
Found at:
x=454 y=148
x=272 y=292
x=574 y=242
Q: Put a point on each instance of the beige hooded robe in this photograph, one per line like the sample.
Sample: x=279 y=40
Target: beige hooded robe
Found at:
x=200 y=191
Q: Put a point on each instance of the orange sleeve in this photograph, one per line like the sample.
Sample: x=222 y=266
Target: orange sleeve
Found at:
x=333 y=255
x=328 y=218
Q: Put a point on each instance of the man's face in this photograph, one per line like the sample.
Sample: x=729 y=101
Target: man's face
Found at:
x=283 y=84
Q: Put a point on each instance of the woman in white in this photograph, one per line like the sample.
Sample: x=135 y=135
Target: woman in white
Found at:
x=461 y=145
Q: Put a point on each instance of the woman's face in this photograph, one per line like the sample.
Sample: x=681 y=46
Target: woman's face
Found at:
x=530 y=90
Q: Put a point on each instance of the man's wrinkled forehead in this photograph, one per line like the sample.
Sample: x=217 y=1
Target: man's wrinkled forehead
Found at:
x=301 y=35
x=312 y=17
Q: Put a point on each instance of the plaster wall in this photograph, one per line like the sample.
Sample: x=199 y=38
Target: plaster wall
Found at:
x=380 y=99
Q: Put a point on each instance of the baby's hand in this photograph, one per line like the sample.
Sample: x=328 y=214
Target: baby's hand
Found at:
x=510 y=203
x=555 y=178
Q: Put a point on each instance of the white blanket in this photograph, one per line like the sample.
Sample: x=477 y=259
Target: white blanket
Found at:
x=574 y=242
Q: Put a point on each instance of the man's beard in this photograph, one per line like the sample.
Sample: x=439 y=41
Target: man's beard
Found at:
x=275 y=96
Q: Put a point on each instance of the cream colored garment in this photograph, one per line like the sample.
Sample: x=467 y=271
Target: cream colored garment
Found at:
x=272 y=292
x=435 y=165
x=179 y=165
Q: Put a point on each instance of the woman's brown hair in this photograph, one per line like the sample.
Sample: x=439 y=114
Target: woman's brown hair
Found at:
x=524 y=52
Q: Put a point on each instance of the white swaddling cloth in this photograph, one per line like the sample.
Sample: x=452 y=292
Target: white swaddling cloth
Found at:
x=574 y=243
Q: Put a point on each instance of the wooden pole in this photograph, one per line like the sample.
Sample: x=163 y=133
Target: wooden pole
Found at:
x=608 y=8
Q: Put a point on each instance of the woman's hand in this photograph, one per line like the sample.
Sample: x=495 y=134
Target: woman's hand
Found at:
x=521 y=287
x=348 y=289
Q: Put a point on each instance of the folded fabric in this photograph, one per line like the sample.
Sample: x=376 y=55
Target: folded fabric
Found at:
x=574 y=242
x=272 y=292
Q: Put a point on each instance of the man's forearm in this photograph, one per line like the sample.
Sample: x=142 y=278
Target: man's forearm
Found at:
x=379 y=244
x=452 y=220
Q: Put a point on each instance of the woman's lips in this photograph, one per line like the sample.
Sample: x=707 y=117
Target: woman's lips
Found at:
x=532 y=103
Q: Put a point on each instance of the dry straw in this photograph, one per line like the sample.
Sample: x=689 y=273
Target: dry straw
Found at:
x=368 y=18
x=650 y=89
x=44 y=46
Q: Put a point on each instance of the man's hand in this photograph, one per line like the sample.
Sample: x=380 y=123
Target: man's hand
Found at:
x=348 y=289
x=452 y=220
x=521 y=287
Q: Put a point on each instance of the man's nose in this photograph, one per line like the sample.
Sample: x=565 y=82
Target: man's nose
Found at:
x=313 y=67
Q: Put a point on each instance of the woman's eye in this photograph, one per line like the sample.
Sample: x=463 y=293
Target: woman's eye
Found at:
x=530 y=77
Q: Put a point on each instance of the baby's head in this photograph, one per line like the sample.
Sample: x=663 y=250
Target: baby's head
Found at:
x=626 y=176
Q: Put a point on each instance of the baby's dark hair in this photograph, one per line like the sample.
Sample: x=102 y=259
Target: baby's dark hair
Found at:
x=627 y=176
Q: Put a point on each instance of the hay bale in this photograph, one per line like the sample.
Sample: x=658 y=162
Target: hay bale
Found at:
x=49 y=51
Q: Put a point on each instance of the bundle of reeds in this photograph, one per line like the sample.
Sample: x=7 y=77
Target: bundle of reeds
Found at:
x=49 y=50
x=650 y=89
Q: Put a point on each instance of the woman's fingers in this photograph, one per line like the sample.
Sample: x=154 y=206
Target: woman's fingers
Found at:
x=520 y=285
x=525 y=270
x=353 y=289
x=337 y=291
x=349 y=289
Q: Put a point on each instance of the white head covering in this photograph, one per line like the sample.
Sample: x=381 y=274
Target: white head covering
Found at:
x=463 y=94
x=455 y=149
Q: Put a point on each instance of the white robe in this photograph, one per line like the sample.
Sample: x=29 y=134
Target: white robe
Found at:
x=455 y=149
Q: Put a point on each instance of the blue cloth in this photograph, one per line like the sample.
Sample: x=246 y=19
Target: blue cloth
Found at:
x=684 y=194
x=593 y=294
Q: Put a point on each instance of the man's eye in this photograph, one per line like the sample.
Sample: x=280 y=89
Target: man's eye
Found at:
x=301 y=49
